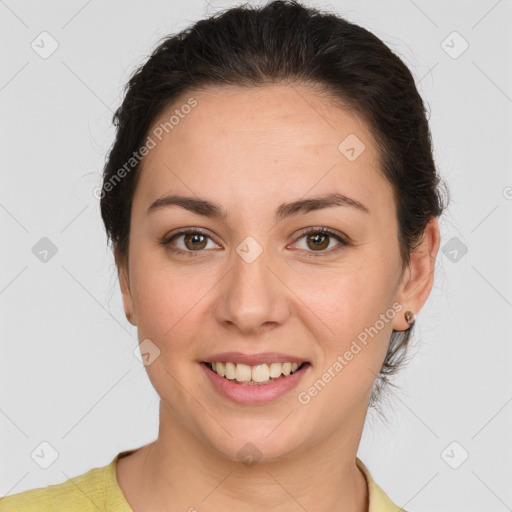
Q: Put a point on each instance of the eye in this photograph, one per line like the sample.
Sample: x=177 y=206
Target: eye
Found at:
x=318 y=239
x=194 y=241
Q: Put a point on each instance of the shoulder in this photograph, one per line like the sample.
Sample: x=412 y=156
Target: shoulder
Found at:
x=379 y=501
x=86 y=492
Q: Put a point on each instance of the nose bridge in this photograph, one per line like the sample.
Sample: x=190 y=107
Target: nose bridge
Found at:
x=252 y=295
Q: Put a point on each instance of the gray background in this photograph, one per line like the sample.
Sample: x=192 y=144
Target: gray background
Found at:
x=68 y=372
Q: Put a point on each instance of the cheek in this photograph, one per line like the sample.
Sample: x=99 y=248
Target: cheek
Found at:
x=357 y=310
x=161 y=297
x=347 y=298
x=354 y=306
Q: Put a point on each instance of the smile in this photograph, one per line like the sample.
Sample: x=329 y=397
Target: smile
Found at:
x=257 y=375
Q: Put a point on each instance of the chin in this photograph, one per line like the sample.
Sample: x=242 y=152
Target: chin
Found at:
x=257 y=444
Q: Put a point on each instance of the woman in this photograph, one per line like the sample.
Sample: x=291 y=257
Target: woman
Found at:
x=272 y=203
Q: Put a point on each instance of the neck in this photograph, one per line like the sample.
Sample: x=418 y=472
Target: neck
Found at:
x=179 y=469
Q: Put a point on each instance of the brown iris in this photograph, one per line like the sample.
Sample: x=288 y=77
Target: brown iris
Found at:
x=322 y=245
x=194 y=237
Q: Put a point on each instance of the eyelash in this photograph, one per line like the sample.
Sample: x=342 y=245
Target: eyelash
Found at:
x=166 y=242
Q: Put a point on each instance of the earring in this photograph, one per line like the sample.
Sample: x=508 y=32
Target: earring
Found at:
x=410 y=317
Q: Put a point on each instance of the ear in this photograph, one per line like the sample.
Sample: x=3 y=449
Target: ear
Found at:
x=418 y=278
x=124 y=281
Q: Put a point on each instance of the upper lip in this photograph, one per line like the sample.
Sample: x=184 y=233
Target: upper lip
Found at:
x=254 y=359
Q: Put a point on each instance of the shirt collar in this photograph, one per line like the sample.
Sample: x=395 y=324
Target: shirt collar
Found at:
x=378 y=500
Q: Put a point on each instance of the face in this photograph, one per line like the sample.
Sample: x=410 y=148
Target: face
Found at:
x=247 y=275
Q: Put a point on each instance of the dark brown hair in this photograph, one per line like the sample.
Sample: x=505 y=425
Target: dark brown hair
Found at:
x=286 y=42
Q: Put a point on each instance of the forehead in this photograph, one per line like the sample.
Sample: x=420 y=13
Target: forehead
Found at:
x=274 y=140
x=273 y=114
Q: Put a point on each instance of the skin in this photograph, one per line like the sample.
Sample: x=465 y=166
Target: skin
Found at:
x=250 y=150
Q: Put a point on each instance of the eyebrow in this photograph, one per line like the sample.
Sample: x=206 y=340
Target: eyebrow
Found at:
x=213 y=210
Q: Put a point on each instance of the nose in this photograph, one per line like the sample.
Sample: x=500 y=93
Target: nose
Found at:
x=253 y=297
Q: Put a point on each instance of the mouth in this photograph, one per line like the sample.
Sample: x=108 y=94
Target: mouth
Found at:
x=257 y=375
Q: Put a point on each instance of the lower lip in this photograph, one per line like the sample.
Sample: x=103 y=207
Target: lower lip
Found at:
x=254 y=394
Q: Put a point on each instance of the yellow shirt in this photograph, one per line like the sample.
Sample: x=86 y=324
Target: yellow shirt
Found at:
x=98 y=490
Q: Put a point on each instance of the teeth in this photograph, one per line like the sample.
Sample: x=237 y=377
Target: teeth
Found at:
x=230 y=371
x=261 y=373
x=243 y=373
x=287 y=368
x=275 y=370
x=220 y=369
